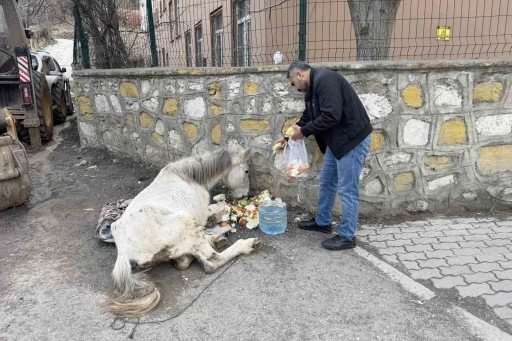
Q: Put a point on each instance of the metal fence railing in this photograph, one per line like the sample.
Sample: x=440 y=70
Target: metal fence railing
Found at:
x=180 y=33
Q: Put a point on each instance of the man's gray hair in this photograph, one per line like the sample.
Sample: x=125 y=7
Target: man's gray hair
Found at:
x=297 y=65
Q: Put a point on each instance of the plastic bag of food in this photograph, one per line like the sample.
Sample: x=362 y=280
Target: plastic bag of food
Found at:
x=296 y=160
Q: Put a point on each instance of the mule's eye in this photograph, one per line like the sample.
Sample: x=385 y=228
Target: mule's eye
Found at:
x=246 y=171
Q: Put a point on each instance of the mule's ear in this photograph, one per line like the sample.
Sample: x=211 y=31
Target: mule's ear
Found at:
x=245 y=154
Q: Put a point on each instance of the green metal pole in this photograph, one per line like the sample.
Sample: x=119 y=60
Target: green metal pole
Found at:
x=152 y=39
x=84 y=43
x=302 y=29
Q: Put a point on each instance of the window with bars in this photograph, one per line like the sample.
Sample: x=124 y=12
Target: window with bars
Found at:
x=170 y=20
x=217 y=29
x=198 y=36
x=242 y=28
x=177 y=15
x=188 y=48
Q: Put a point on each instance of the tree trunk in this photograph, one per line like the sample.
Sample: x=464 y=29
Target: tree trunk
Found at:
x=373 y=22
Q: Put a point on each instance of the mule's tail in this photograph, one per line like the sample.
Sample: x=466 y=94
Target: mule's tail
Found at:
x=136 y=295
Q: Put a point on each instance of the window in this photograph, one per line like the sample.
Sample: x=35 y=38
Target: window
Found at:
x=188 y=48
x=216 y=25
x=170 y=19
x=198 y=35
x=243 y=27
x=177 y=15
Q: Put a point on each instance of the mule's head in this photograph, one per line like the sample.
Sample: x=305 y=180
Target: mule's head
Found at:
x=237 y=178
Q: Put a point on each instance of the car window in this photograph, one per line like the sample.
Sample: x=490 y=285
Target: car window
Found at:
x=35 y=63
x=52 y=65
x=4 y=30
x=57 y=65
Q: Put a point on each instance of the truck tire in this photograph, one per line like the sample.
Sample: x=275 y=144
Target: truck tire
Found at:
x=43 y=102
x=59 y=104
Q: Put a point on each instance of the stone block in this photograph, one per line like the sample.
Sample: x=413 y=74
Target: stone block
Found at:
x=411 y=265
x=448 y=282
x=461 y=260
x=418 y=248
x=507 y=274
x=101 y=103
x=453 y=132
x=214 y=90
x=447 y=93
x=251 y=88
x=487 y=92
x=479 y=277
x=425 y=274
x=84 y=104
x=416 y=132
x=151 y=104
x=255 y=125
x=446 y=246
x=440 y=254
x=439 y=162
x=494 y=159
x=174 y=140
x=442 y=182
x=191 y=130
x=403 y=181
x=216 y=109
x=455 y=270
x=116 y=104
x=378 y=140
x=194 y=108
x=485 y=267
x=377 y=106
x=170 y=107
x=494 y=125
x=397 y=159
x=145 y=120
x=412 y=96
x=504 y=312
x=432 y=263
x=128 y=89
x=505 y=285
x=410 y=256
x=475 y=290
x=217 y=134
x=374 y=187
x=130 y=119
x=499 y=299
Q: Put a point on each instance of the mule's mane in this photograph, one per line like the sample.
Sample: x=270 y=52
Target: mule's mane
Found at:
x=201 y=168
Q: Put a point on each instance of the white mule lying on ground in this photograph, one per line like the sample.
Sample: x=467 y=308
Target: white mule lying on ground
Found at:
x=165 y=222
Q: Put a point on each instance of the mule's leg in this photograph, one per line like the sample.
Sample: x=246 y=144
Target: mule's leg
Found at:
x=212 y=260
x=216 y=241
x=217 y=210
x=183 y=262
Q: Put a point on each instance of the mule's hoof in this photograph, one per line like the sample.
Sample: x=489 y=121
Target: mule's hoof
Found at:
x=221 y=242
x=257 y=244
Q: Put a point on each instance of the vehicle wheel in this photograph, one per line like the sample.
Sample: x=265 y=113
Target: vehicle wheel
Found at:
x=43 y=102
x=59 y=104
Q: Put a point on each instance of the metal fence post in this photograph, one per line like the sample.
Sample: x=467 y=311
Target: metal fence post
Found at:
x=84 y=43
x=302 y=29
x=152 y=39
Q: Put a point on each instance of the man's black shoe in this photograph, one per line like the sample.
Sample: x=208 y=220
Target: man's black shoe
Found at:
x=311 y=225
x=339 y=243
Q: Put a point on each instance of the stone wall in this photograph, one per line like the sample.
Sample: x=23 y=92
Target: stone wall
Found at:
x=442 y=130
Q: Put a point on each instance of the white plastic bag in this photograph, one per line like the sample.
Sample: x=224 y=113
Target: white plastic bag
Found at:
x=296 y=160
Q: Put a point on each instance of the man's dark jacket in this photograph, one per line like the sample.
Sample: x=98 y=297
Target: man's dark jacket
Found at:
x=334 y=113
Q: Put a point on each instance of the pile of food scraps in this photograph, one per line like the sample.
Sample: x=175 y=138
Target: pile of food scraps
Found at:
x=243 y=212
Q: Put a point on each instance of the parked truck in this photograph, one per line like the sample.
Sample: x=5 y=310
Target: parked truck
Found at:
x=25 y=107
x=24 y=92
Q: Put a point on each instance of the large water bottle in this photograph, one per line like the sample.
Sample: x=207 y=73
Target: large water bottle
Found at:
x=273 y=216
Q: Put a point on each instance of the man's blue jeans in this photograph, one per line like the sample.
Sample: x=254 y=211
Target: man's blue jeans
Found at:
x=342 y=176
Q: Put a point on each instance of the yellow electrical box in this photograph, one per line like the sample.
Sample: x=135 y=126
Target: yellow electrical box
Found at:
x=443 y=32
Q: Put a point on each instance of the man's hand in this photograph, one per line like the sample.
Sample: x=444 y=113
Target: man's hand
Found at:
x=297 y=134
x=279 y=145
